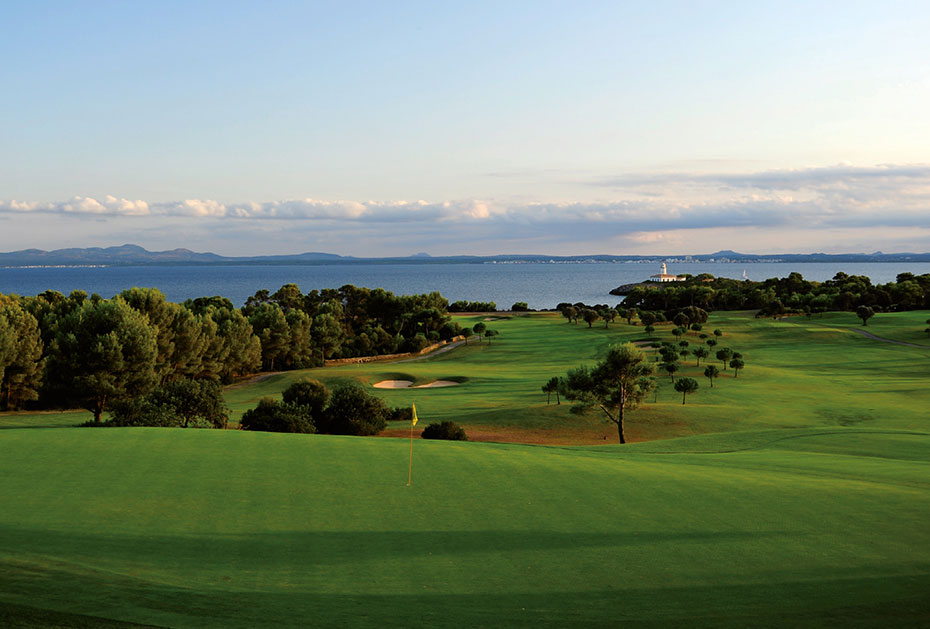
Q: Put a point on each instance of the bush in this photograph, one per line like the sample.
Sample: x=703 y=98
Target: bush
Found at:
x=444 y=430
x=400 y=413
x=309 y=393
x=273 y=416
x=352 y=411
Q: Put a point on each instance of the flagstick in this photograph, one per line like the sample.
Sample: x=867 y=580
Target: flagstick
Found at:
x=410 y=469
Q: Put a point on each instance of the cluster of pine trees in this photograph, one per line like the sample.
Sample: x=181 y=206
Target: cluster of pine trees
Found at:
x=89 y=352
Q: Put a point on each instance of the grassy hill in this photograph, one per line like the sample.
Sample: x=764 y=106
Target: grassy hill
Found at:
x=208 y=528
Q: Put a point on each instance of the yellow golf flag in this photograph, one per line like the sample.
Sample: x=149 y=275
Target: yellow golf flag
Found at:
x=414 y=415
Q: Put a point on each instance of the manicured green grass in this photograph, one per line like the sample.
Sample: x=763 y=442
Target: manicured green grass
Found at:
x=900 y=326
x=796 y=494
x=209 y=528
x=798 y=373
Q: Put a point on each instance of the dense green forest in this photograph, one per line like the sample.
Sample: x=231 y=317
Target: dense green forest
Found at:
x=90 y=352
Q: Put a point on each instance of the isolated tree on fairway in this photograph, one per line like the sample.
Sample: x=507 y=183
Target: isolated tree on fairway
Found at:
x=479 y=329
x=724 y=355
x=697 y=327
x=670 y=369
x=711 y=342
x=737 y=364
x=488 y=334
x=649 y=329
x=589 y=316
x=865 y=313
x=718 y=332
x=570 y=313
x=467 y=332
x=553 y=386
x=711 y=372
x=678 y=332
x=608 y=315
x=699 y=353
x=102 y=352
x=615 y=385
x=686 y=386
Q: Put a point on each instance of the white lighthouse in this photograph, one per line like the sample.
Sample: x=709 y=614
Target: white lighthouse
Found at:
x=664 y=276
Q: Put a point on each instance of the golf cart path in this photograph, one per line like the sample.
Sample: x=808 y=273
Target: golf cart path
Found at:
x=884 y=340
x=441 y=350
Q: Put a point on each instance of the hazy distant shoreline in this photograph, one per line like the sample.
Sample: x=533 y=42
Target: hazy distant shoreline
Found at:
x=133 y=255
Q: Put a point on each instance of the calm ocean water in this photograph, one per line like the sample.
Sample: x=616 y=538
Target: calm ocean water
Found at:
x=540 y=285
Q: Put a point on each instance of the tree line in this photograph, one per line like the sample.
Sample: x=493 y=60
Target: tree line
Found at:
x=83 y=351
x=788 y=295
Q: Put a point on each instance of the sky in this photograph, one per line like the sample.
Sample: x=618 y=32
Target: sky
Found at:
x=393 y=128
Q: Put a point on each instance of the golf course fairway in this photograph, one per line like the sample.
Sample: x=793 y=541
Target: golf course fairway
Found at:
x=186 y=528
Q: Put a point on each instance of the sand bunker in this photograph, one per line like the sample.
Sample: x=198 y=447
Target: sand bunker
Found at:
x=392 y=384
x=404 y=384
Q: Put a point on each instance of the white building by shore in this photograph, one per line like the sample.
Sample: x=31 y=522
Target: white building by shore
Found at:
x=664 y=276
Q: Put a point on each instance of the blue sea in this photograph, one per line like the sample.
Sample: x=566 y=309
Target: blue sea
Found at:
x=541 y=285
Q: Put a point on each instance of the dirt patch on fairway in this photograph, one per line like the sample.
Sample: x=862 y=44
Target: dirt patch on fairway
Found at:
x=405 y=384
x=392 y=384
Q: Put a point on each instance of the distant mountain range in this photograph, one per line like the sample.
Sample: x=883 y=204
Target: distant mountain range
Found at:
x=134 y=255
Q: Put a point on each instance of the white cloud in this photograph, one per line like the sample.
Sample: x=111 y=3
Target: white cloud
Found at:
x=805 y=199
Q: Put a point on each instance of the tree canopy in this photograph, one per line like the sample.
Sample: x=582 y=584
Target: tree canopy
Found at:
x=615 y=385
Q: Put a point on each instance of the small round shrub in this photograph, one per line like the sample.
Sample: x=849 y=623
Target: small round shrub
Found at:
x=273 y=416
x=444 y=430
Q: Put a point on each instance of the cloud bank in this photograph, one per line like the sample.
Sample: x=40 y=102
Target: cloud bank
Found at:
x=644 y=210
x=841 y=196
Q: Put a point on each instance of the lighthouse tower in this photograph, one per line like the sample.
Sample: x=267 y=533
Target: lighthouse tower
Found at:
x=664 y=276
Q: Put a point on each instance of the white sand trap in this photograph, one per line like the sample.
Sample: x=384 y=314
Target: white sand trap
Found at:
x=438 y=383
x=392 y=384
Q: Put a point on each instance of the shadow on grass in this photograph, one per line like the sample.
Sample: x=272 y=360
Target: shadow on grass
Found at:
x=335 y=547
x=804 y=601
